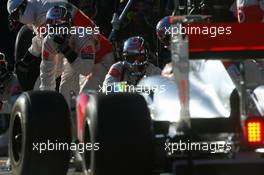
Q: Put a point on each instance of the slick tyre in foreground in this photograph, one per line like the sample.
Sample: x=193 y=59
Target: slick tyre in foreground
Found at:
x=121 y=125
x=39 y=117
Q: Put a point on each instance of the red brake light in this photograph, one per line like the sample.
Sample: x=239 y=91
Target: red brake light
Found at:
x=254 y=131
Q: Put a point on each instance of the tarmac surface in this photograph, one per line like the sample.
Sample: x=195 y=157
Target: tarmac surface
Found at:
x=4 y=170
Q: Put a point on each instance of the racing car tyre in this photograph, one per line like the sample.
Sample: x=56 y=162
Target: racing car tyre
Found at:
x=23 y=42
x=40 y=121
x=121 y=127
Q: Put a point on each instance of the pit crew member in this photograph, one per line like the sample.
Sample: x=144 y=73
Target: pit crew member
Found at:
x=33 y=13
x=9 y=86
x=135 y=65
x=248 y=10
x=80 y=51
x=164 y=37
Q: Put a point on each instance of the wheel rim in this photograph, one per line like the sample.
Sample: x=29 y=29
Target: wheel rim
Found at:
x=17 y=139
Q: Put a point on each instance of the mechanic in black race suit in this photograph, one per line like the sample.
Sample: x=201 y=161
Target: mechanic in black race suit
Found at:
x=9 y=86
x=10 y=90
x=135 y=65
x=33 y=13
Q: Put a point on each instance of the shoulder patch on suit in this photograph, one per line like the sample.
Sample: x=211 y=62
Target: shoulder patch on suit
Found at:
x=45 y=54
x=87 y=53
x=87 y=49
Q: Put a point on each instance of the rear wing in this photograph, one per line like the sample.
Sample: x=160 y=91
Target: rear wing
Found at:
x=228 y=40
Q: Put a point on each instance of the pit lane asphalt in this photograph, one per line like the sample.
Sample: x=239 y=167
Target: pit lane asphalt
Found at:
x=3 y=169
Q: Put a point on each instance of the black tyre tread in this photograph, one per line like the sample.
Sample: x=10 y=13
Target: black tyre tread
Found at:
x=121 y=124
x=23 y=42
x=45 y=116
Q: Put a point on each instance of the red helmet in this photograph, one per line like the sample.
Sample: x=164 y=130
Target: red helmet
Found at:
x=135 y=54
x=163 y=29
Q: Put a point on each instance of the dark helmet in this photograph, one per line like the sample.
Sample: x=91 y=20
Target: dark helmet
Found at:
x=58 y=21
x=4 y=73
x=162 y=30
x=135 y=54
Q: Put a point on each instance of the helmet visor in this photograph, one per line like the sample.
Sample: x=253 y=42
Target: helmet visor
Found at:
x=137 y=64
x=136 y=59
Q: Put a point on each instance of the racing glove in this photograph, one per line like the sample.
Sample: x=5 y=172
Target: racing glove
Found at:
x=69 y=53
x=66 y=50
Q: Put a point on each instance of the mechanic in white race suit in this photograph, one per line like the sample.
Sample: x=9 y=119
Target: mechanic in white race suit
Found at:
x=248 y=10
x=165 y=37
x=9 y=87
x=79 y=49
x=33 y=13
x=135 y=65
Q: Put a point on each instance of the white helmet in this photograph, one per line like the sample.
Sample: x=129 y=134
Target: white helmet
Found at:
x=12 y=5
x=16 y=8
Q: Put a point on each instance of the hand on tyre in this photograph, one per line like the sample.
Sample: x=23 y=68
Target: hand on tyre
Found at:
x=64 y=47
